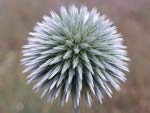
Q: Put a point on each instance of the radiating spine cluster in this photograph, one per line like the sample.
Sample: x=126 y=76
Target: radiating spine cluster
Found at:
x=77 y=53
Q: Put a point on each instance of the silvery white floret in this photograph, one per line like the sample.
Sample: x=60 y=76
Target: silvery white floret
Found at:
x=76 y=53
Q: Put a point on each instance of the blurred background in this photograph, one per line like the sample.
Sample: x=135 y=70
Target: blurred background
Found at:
x=18 y=17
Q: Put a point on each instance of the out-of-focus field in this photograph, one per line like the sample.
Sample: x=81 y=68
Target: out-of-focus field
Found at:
x=18 y=17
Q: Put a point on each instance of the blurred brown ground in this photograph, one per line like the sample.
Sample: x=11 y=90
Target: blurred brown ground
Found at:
x=18 y=17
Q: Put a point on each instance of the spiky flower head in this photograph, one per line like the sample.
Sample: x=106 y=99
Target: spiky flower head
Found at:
x=77 y=53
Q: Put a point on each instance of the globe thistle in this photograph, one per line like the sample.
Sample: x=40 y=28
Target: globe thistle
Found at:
x=76 y=53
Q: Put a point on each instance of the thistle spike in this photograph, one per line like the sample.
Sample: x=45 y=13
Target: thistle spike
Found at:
x=77 y=53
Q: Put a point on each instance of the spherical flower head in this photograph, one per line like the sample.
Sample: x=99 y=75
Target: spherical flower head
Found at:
x=75 y=53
